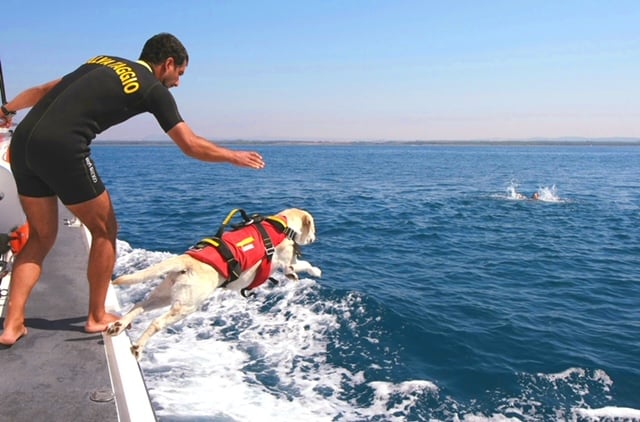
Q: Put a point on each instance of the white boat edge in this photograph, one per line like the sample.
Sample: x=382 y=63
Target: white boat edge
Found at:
x=133 y=403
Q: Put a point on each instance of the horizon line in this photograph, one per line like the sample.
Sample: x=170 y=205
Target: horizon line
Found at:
x=626 y=140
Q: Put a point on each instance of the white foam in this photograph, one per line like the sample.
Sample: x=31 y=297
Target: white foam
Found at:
x=265 y=357
x=256 y=359
x=564 y=375
x=408 y=393
x=492 y=418
x=609 y=413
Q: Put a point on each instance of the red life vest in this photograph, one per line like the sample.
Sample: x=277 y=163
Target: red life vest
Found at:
x=247 y=247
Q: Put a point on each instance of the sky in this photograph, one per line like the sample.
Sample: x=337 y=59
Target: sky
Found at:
x=357 y=70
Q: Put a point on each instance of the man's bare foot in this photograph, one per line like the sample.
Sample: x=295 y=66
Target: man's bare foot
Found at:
x=99 y=326
x=10 y=336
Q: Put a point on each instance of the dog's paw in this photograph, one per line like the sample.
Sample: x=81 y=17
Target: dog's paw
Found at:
x=115 y=328
x=136 y=351
x=291 y=275
x=315 y=272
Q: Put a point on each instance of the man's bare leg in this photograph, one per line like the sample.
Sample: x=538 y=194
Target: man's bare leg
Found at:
x=42 y=216
x=98 y=216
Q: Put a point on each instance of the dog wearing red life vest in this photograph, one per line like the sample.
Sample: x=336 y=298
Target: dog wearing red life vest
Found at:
x=190 y=278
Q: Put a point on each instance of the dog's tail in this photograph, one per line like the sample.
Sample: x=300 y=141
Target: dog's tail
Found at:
x=151 y=273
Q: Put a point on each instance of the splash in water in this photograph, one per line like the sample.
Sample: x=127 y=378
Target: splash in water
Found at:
x=548 y=194
x=512 y=191
x=544 y=194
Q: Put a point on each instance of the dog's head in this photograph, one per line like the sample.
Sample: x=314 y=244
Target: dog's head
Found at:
x=302 y=222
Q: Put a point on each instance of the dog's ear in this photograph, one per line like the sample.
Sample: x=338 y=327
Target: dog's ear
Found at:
x=308 y=228
x=306 y=224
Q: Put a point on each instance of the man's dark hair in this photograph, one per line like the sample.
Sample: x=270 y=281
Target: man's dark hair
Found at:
x=160 y=47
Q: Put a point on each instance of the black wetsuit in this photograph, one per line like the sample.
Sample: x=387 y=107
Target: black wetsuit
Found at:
x=50 y=152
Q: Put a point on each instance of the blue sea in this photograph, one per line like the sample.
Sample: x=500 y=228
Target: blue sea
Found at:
x=447 y=293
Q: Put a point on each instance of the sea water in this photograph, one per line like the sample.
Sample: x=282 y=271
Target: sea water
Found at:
x=446 y=294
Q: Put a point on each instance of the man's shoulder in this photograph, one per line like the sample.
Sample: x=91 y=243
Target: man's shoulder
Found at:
x=119 y=64
x=109 y=60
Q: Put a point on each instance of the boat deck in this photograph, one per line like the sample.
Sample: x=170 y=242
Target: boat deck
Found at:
x=58 y=372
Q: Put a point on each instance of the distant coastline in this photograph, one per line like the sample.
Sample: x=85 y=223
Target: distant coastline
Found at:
x=474 y=142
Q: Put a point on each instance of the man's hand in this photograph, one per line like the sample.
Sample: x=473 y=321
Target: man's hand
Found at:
x=248 y=159
x=5 y=121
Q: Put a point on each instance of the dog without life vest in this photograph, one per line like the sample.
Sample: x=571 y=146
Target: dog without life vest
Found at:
x=241 y=259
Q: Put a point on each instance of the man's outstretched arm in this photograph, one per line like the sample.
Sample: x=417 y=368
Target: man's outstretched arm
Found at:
x=199 y=148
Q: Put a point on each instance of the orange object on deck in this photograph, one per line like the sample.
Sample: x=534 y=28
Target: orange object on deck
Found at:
x=18 y=238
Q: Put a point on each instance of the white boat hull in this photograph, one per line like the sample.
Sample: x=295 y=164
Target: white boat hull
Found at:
x=11 y=215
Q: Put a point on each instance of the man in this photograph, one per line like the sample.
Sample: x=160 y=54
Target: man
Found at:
x=50 y=159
